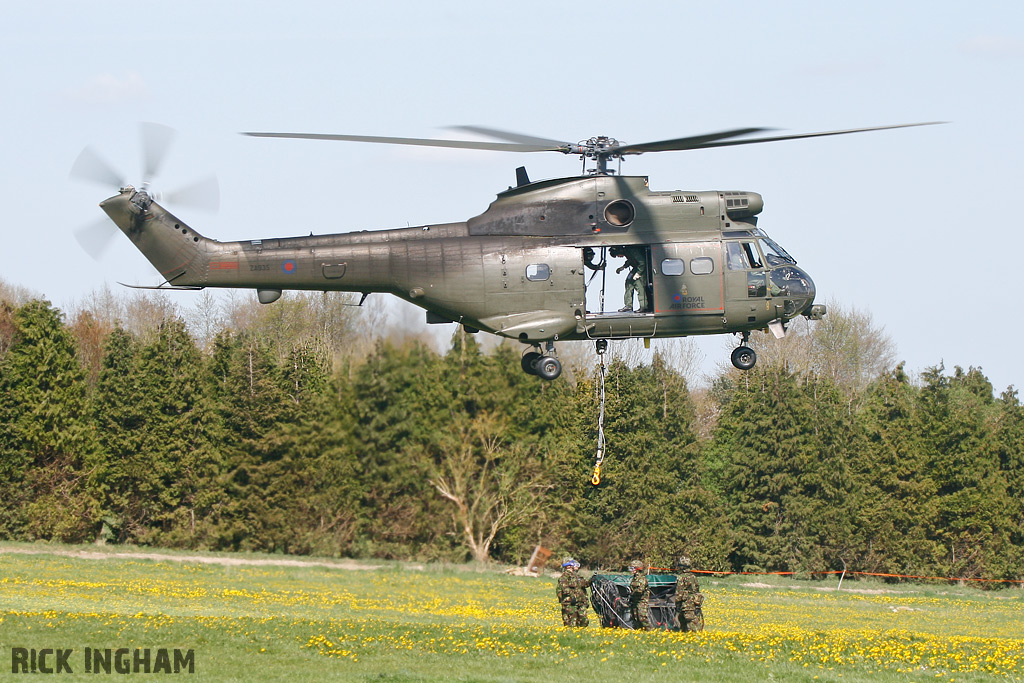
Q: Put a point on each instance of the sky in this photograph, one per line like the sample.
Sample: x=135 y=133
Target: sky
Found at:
x=914 y=226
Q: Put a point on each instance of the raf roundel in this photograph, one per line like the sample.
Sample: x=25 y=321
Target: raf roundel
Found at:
x=288 y=267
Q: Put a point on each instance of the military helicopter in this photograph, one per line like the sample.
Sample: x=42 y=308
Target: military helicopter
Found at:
x=699 y=264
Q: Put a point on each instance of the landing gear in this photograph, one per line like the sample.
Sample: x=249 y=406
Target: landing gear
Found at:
x=529 y=358
x=548 y=367
x=743 y=357
x=544 y=365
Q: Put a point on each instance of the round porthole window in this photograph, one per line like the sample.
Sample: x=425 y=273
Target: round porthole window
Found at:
x=619 y=213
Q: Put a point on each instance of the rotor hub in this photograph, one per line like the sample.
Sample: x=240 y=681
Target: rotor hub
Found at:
x=600 y=148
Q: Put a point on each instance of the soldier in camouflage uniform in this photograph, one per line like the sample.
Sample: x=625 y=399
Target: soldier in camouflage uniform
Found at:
x=572 y=594
x=639 y=595
x=689 y=599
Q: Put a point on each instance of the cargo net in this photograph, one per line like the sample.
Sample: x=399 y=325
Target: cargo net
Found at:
x=609 y=595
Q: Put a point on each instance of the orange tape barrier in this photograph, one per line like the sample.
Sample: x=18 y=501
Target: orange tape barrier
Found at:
x=848 y=573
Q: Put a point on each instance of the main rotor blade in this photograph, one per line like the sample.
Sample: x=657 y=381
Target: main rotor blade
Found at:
x=423 y=142
x=96 y=237
x=203 y=194
x=91 y=167
x=690 y=142
x=777 y=138
x=511 y=137
x=156 y=141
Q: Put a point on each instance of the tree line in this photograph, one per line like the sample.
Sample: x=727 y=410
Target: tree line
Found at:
x=268 y=431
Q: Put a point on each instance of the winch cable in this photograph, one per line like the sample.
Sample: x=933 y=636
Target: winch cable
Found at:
x=602 y=345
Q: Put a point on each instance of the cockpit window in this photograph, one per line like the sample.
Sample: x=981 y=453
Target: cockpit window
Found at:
x=742 y=256
x=774 y=254
x=734 y=256
x=750 y=249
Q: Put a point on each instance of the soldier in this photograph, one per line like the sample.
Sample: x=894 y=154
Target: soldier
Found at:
x=639 y=595
x=689 y=599
x=636 y=279
x=572 y=594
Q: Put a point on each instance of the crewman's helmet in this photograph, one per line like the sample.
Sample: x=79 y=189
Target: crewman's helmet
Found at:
x=684 y=563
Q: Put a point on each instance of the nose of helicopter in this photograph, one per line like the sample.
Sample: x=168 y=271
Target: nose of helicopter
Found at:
x=795 y=287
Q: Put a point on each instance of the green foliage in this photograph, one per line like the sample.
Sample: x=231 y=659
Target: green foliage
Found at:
x=45 y=442
x=271 y=440
x=771 y=455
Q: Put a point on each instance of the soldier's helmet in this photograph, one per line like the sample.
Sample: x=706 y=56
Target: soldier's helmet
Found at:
x=684 y=563
x=569 y=563
x=636 y=565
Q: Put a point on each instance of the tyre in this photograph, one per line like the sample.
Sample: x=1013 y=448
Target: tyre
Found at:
x=743 y=357
x=547 y=368
x=529 y=361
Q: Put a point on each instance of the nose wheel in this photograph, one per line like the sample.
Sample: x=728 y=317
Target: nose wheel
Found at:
x=743 y=357
x=544 y=365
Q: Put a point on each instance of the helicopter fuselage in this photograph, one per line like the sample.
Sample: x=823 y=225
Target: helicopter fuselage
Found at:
x=521 y=269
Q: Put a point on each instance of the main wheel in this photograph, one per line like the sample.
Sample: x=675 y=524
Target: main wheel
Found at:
x=548 y=368
x=743 y=357
x=530 y=361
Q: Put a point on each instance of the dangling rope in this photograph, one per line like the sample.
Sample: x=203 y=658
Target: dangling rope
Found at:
x=596 y=479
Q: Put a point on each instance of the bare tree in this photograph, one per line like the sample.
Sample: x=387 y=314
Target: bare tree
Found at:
x=489 y=481
x=145 y=312
x=91 y=334
x=845 y=346
x=300 y=319
x=850 y=349
x=205 y=318
x=16 y=295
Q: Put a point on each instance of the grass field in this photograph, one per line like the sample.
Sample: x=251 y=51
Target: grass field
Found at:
x=397 y=623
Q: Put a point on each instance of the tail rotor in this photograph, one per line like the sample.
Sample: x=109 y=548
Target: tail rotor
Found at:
x=156 y=141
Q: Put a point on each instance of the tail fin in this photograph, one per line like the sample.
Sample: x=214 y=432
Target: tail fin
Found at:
x=178 y=252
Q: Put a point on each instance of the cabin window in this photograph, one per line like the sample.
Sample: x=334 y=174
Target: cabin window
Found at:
x=538 y=272
x=702 y=266
x=672 y=266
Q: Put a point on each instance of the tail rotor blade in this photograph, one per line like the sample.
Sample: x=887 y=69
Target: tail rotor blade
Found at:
x=95 y=238
x=91 y=167
x=203 y=194
x=156 y=142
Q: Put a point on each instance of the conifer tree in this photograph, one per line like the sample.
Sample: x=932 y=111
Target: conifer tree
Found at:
x=1009 y=437
x=764 y=430
x=174 y=482
x=253 y=408
x=898 y=503
x=399 y=405
x=962 y=458
x=45 y=438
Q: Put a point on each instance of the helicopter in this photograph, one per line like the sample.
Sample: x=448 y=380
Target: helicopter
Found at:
x=698 y=262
